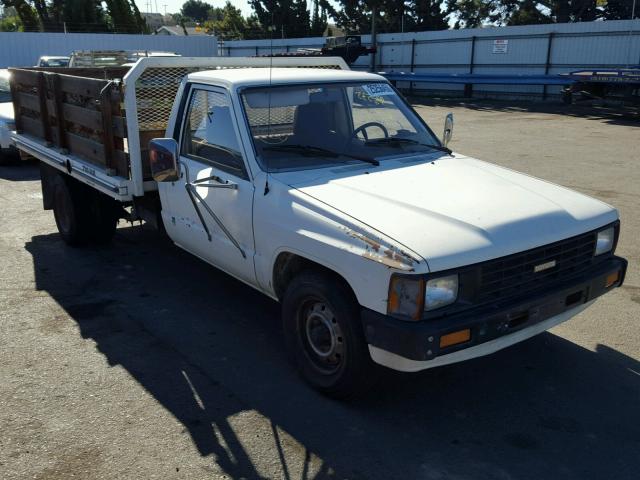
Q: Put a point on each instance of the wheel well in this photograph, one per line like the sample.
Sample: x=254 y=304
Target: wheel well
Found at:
x=288 y=265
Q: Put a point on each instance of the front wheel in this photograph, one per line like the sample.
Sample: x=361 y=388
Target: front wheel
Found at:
x=323 y=332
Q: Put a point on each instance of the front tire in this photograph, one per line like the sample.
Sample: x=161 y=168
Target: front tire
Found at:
x=323 y=332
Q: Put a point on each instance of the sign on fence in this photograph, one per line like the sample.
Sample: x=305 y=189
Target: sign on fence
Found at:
x=500 y=46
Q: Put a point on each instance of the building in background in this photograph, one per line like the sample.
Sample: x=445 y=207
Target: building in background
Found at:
x=181 y=31
x=154 y=20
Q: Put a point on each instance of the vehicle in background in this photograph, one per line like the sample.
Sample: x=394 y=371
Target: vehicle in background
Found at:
x=322 y=188
x=7 y=124
x=112 y=58
x=349 y=48
x=53 y=61
x=621 y=84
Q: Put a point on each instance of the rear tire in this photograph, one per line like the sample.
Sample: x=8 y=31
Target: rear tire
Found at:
x=83 y=215
x=323 y=332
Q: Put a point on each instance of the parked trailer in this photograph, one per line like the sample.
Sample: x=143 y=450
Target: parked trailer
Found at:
x=323 y=189
x=620 y=84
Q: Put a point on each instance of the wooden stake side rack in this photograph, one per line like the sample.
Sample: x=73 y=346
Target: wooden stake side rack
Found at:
x=77 y=110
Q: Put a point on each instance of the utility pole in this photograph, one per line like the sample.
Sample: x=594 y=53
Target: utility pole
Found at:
x=374 y=12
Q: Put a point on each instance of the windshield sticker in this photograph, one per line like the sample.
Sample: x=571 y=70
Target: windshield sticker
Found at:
x=378 y=89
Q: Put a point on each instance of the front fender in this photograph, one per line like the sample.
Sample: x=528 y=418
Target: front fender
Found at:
x=286 y=220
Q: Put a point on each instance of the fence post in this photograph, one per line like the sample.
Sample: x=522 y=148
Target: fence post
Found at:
x=374 y=39
x=468 y=87
x=413 y=62
x=547 y=64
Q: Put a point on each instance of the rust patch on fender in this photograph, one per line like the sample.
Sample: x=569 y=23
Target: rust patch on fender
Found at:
x=389 y=256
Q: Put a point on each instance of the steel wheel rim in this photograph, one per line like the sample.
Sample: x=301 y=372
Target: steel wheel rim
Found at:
x=323 y=337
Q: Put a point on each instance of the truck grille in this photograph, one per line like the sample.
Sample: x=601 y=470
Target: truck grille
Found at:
x=516 y=274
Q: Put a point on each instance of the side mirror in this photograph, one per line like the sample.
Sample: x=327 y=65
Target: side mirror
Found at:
x=448 y=129
x=163 y=159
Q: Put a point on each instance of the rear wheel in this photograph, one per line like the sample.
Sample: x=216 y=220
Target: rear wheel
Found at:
x=83 y=215
x=324 y=334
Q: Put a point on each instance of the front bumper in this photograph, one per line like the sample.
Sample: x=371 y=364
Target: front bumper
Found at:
x=412 y=346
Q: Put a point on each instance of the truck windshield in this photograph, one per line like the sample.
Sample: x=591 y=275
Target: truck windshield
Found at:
x=312 y=126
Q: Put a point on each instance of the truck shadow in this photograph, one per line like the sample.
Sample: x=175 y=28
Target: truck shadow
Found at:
x=17 y=170
x=208 y=349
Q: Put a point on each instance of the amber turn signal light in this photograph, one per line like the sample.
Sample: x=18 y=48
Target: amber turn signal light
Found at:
x=612 y=278
x=454 y=338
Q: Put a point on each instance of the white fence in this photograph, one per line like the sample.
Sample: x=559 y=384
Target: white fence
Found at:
x=21 y=49
x=531 y=49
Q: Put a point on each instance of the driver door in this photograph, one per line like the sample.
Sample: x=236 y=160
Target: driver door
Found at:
x=208 y=211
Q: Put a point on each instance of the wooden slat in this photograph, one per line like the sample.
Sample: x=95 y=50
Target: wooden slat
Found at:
x=32 y=126
x=82 y=116
x=58 y=109
x=30 y=102
x=24 y=77
x=44 y=114
x=88 y=87
x=119 y=127
x=88 y=149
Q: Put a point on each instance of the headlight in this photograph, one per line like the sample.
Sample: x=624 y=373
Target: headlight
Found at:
x=604 y=241
x=441 y=291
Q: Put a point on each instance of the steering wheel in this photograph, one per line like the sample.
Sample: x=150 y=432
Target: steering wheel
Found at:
x=363 y=128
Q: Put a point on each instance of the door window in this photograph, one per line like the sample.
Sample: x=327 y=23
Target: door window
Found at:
x=209 y=135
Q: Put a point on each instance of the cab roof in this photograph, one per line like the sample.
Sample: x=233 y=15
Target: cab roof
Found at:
x=259 y=76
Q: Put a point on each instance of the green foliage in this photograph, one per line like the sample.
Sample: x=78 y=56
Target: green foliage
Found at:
x=196 y=10
x=227 y=22
x=78 y=15
x=287 y=18
x=11 y=23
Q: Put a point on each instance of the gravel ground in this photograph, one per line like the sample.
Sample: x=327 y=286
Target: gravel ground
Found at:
x=140 y=361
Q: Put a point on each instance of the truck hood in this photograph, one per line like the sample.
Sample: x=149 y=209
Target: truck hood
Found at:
x=454 y=211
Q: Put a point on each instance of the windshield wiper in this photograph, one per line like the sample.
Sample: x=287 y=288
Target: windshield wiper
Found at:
x=312 y=151
x=402 y=140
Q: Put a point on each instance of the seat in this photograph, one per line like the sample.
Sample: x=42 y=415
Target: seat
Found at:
x=314 y=124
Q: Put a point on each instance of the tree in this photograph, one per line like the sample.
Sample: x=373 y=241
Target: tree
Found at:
x=124 y=17
x=27 y=15
x=11 y=23
x=227 y=22
x=318 y=20
x=621 y=9
x=289 y=18
x=428 y=15
x=84 y=16
x=79 y=15
x=196 y=10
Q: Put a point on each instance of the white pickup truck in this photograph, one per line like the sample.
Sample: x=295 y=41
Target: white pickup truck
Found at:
x=322 y=188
